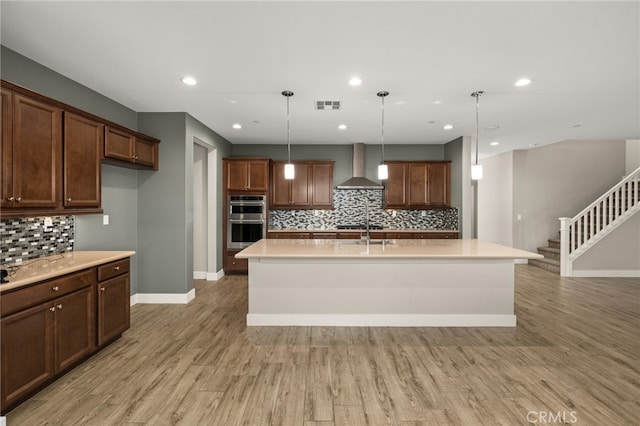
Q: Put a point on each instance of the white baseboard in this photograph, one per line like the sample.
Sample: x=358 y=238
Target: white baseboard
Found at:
x=163 y=298
x=605 y=273
x=399 y=320
x=525 y=261
x=209 y=276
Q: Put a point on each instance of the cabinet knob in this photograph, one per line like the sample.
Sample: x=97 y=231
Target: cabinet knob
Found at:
x=52 y=309
x=55 y=288
x=59 y=306
x=19 y=199
x=11 y=198
x=69 y=199
x=117 y=268
x=102 y=289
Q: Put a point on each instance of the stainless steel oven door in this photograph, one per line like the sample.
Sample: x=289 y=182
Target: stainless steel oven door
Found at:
x=243 y=233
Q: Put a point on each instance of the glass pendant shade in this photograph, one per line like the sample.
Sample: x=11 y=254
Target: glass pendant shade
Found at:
x=383 y=172
x=476 y=172
x=289 y=171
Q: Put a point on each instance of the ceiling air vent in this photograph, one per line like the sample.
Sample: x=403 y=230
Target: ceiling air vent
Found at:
x=327 y=105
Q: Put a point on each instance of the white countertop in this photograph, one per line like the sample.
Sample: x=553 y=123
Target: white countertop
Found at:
x=406 y=249
x=34 y=270
x=398 y=230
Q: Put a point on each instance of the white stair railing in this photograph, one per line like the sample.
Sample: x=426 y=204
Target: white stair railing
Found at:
x=581 y=232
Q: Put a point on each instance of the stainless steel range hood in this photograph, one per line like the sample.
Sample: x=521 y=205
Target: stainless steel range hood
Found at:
x=358 y=181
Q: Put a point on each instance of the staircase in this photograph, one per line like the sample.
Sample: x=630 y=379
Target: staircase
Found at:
x=581 y=232
x=551 y=253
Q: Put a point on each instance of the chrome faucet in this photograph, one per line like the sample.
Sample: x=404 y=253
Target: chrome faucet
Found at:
x=367 y=236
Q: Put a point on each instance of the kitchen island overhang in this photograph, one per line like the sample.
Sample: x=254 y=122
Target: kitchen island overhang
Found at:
x=403 y=283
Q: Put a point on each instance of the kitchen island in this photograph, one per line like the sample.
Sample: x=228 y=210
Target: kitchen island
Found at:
x=442 y=283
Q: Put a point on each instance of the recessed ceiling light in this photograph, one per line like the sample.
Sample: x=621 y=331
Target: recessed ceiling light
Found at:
x=233 y=101
x=448 y=126
x=492 y=127
x=189 y=81
x=437 y=102
x=237 y=126
x=355 y=81
x=494 y=143
x=523 y=82
x=342 y=126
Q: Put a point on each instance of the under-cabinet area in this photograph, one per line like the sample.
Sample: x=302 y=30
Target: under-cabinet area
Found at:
x=51 y=154
x=57 y=311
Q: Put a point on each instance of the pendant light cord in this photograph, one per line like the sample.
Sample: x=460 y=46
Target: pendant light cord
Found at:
x=477 y=95
x=287 y=94
x=382 y=95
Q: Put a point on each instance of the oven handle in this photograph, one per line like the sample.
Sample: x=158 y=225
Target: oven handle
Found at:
x=245 y=221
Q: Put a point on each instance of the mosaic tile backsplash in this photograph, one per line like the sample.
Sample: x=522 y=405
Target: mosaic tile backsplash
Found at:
x=349 y=208
x=26 y=237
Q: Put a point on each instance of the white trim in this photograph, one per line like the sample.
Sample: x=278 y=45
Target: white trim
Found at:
x=215 y=276
x=522 y=261
x=378 y=320
x=133 y=300
x=163 y=298
x=199 y=275
x=604 y=273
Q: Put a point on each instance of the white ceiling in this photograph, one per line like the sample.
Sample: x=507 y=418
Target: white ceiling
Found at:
x=583 y=57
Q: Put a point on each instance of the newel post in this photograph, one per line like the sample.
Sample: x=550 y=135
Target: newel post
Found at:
x=565 y=235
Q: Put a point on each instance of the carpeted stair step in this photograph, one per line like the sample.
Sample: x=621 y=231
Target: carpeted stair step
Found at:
x=554 y=243
x=550 y=265
x=550 y=253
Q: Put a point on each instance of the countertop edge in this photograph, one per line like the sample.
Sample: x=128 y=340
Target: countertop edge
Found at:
x=100 y=258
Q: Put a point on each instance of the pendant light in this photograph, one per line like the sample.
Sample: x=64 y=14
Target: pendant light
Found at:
x=476 y=169
x=289 y=170
x=383 y=170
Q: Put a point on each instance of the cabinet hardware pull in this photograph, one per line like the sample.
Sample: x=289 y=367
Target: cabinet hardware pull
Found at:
x=102 y=288
x=55 y=288
x=19 y=199
x=69 y=199
x=60 y=306
x=117 y=268
x=53 y=308
x=11 y=198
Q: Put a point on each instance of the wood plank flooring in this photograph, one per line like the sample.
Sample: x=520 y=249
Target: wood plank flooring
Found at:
x=574 y=357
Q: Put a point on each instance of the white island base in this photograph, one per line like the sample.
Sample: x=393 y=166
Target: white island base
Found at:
x=406 y=284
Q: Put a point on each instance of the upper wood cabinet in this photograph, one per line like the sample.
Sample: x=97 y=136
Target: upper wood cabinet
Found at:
x=246 y=174
x=129 y=150
x=311 y=188
x=31 y=152
x=83 y=139
x=418 y=185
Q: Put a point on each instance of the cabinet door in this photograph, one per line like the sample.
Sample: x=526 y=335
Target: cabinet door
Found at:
x=237 y=175
x=83 y=140
x=417 y=186
x=118 y=144
x=394 y=189
x=74 y=327
x=300 y=186
x=439 y=176
x=37 y=152
x=322 y=185
x=113 y=308
x=280 y=187
x=258 y=172
x=6 y=147
x=27 y=351
x=146 y=153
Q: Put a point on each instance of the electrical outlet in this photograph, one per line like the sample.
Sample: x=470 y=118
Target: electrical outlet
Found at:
x=105 y=219
x=48 y=224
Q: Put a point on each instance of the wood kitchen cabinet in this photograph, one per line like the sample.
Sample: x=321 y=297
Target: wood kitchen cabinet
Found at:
x=126 y=149
x=311 y=188
x=418 y=185
x=31 y=152
x=46 y=328
x=113 y=300
x=235 y=266
x=246 y=174
x=83 y=141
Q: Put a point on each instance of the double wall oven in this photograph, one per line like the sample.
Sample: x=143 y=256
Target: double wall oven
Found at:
x=246 y=220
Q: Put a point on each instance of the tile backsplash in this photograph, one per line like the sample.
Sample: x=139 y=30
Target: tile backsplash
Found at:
x=349 y=208
x=26 y=237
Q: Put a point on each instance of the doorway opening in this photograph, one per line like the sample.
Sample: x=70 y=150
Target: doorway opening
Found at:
x=205 y=216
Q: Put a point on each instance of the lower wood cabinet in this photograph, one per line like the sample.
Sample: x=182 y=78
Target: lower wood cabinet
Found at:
x=233 y=265
x=51 y=326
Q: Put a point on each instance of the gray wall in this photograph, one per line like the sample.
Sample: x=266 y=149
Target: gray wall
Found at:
x=496 y=220
x=453 y=151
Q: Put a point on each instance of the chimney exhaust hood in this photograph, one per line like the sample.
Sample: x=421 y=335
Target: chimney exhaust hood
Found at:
x=358 y=181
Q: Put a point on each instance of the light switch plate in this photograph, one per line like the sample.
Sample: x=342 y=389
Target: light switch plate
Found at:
x=105 y=219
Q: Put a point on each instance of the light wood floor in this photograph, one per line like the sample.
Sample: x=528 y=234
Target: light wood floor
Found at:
x=575 y=354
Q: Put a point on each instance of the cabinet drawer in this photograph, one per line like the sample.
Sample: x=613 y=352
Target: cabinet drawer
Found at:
x=25 y=297
x=232 y=264
x=113 y=269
